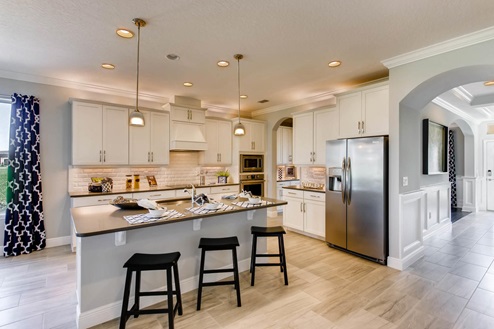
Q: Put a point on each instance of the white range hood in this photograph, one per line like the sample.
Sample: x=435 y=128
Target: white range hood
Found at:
x=186 y=136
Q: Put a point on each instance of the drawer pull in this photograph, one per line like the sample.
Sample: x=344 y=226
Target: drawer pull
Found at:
x=101 y=200
x=291 y=193
x=155 y=195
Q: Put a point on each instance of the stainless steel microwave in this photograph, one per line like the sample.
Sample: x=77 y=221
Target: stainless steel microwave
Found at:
x=251 y=163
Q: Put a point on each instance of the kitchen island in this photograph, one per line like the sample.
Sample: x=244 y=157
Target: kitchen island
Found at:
x=105 y=240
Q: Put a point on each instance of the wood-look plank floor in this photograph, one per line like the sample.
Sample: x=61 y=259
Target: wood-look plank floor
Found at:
x=451 y=287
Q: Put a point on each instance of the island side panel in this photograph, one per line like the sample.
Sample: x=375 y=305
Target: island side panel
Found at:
x=100 y=275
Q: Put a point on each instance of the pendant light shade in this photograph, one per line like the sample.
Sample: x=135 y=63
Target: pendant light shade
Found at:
x=136 y=118
x=238 y=129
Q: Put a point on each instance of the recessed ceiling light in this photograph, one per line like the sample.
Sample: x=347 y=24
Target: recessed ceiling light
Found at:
x=223 y=63
x=489 y=83
x=124 y=33
x=108 y=66
x=173 y=57
x=243 y=96
x=334 y=63
x=188 y=84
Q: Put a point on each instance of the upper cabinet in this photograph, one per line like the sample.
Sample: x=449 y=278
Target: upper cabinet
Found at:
x=99 y=134
x=149 y=145
x=219 y=139
x=185 y=114
x=284 y=145
x=364 y=113
x=253 y=140
x=310 y=133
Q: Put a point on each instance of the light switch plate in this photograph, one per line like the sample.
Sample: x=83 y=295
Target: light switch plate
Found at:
x=405 y=181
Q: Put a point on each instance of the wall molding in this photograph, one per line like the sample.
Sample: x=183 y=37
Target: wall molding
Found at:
x=402 y=264
x=440 y=48
x=471 y=194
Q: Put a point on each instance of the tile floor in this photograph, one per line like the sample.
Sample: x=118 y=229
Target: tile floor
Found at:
x=451 y=287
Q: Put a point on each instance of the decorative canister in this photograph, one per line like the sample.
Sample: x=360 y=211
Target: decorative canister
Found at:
x=128 y=182
x=136 y=181
x=106 y=186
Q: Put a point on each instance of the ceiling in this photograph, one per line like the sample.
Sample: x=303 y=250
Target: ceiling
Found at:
x=286 y=44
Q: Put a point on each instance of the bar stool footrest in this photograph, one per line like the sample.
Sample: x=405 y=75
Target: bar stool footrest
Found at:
x=268 y=255
x=268 y=264
x=226 y=270
x=219 y=283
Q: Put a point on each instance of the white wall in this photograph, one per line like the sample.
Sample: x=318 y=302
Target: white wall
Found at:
x=412 y=86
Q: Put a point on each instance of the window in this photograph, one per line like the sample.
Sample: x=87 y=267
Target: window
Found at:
x=4 y=150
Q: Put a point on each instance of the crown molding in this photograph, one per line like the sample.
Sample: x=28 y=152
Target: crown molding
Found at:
x=448 y=106
x=313 y=99
x=80 y=86
x=441 y=47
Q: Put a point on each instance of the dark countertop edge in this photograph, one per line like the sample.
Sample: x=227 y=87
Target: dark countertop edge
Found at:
x=301 y=188
x=181 y=219
x=79 y=194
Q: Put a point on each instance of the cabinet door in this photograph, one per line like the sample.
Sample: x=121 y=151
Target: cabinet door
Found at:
x=211 y=155
x=257 y=137
x=224 y=142
x=350 y=114
x=287 y=155
x=87 y=134
x=115 y=135
x=279 y=145
x=179 y=113
x=197 y=116
x=315 y=217
x=325 y=128
x=376 y=111
x=303 y=138
x=293 y=216
x=160 y=138
x=139 y=142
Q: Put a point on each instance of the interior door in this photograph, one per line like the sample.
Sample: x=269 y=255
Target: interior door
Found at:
x=489 y=173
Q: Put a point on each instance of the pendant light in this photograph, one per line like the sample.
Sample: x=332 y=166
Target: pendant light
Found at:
x=239 y=129
x=136 y=118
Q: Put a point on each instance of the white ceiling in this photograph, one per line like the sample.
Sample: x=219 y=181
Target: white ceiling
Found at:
x=286 y=43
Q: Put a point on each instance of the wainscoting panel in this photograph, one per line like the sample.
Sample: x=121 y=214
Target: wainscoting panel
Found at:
x=471 y=194
x=438 y=208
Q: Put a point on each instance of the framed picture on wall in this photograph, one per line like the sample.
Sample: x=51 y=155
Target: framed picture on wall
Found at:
x=434 y=148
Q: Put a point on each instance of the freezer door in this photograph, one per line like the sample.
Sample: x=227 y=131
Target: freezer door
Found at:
x=335 y=203
x=367 y=197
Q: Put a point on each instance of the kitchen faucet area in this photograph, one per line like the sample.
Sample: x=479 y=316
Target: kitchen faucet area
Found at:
x=237 y=164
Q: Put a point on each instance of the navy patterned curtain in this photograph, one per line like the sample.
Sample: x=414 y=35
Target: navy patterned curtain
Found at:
x=24 y=225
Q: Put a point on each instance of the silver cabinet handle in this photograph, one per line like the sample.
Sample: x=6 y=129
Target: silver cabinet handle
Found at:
x=104 y=156
x=220 y=157
x=359 y=127
x=155 y=195
x=301 y=207
x=315 y=196
x=291 y=193
x=363 y=129
x=149 y=156
x=152 y=156
x=304 y=206
x=349 y=184
x=100 y=156
x=343 y=181
x=101 y=200
x=314 y=157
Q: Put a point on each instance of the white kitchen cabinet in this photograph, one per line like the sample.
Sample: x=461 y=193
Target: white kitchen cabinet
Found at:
x=279 y=191
x=150 y=144
x=253 y=140
x=99 y=134
x=364 y=113
x=219 y=139
x=154 y=195
x=310 y=133
x=284 y=145
x=305 y=212
x=186 y=114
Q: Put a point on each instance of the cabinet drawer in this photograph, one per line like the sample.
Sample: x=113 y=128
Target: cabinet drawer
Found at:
x=96 y=200
x=293 y=193
x=156 y=195
x=315 y=196
x=224 y=189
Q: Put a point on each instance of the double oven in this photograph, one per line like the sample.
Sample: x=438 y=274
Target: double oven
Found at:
x=251 y=173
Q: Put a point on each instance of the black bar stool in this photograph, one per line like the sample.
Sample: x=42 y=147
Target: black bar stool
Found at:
x=152 y=262
x=259 y=231
x=211 y=244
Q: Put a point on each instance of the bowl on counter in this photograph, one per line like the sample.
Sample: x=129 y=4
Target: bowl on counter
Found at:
x=212 y=206
x=255 y=200
x=157 y=212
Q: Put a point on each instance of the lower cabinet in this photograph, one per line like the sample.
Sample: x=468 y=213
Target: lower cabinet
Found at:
x=305 y=212
x=279 y=191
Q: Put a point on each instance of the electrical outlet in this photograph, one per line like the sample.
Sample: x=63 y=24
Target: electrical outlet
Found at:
x=405 y=181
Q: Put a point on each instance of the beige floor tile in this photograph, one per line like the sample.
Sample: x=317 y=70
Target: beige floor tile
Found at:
x=392 y=305
x=458 y=286
x=363 y=319
x=339 y=304
x=311 y=320
x=413 y=285
x=474 y=320
x=417 y=319
x=482 y=301
x=442 y=305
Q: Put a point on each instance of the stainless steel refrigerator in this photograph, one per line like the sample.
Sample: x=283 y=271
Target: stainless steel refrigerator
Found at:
x=357 y=196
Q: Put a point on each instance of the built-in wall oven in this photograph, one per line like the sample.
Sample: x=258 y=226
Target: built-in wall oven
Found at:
x=251 y=163
x=253 y=183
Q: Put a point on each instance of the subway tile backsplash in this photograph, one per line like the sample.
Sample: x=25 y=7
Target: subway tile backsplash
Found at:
x=184 y=168
x=313 y=175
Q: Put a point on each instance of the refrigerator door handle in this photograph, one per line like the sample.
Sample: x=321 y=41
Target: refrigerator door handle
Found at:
x=349 y=182
x=343 y=181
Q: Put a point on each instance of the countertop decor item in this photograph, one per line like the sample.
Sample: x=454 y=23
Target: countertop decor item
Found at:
x=125 y=203
x=223 y=176
x=152 y=181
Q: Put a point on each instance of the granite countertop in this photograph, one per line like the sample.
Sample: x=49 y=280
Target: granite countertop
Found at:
x=97 y=220
x=301 y=188
x=143 y=189
x=288 y=180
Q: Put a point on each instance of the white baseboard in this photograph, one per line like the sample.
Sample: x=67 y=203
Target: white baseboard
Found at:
x=469 y=209
x=112 y=311
x=401 y=264
x=56 y=242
